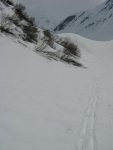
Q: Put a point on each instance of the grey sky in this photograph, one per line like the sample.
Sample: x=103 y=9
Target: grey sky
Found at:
x=58 y=9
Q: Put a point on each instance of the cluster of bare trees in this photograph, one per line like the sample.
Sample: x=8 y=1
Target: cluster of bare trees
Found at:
x=20 y=19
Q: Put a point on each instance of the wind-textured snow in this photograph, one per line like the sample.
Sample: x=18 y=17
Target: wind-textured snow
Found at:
x=48 y=105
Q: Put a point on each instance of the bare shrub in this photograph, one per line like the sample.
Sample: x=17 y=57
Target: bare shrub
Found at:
x=30 y=33
x=48 y=37
x=30 y=27
x=70 y=48
x=48 y=34
x=20 y=11
x=5 y=23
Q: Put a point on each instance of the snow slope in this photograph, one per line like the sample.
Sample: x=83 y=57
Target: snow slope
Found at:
x=48 y=105
x=96 y=24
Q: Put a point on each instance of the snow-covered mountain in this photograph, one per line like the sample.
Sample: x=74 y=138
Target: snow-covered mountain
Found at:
x=95 y=24
x=49 y=105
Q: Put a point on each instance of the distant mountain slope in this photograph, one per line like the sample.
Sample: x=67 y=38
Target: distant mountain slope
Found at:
x=95 y=24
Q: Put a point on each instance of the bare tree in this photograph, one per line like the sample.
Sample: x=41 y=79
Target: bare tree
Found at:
x=5 y=23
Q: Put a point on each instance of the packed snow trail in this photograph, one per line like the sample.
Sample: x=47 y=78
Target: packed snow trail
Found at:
x=87 y=139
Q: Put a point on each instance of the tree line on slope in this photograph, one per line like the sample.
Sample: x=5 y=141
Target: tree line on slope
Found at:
x=30 y=32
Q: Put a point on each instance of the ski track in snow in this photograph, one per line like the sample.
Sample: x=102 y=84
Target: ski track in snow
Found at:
x=87 y=139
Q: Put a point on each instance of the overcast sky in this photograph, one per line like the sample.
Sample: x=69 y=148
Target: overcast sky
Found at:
x=58 y=9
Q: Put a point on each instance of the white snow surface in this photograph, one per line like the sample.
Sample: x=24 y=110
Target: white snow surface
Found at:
x=48 y=105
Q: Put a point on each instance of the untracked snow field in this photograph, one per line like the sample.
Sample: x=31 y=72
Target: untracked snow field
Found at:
x=48 y=105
